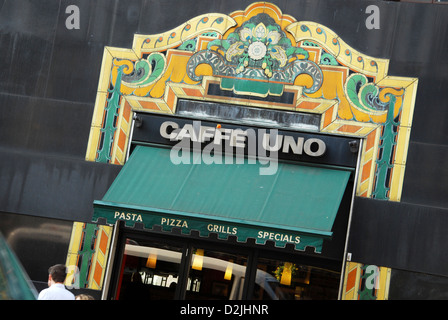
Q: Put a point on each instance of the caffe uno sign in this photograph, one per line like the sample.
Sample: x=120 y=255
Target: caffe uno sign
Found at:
x=240 y=141
x=242 y=138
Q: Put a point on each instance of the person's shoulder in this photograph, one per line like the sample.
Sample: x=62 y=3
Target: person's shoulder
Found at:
x=65 y=294
x=43 y=294
x=70 y=294
x=56 y=293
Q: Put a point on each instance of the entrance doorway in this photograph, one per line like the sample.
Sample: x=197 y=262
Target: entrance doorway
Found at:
x=157 y=266
x=149 y=272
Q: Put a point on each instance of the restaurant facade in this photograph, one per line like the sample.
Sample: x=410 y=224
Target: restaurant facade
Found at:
x=248 y=153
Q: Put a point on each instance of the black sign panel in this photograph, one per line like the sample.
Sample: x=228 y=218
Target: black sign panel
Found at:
x=244 y=139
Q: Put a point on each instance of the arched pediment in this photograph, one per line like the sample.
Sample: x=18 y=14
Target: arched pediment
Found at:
x=263 y=58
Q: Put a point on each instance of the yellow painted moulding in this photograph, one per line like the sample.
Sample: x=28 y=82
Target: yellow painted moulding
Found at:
x=204 y=23
x=345 y=54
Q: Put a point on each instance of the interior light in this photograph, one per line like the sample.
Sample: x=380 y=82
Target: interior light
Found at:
x=228 y=274
x=151 y=261
x=286 y=274
x=198 y=259
x=308 y=274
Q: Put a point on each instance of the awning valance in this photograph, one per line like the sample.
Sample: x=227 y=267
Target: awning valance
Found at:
x=297 y=204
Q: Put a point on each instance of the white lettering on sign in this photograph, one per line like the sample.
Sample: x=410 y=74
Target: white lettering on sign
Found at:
x=174 y=222
x=288 y=142
x=237 y=140
x=164 y=128
x=128 y=216
x=222 y=229
x=196 y=132
x=265 y=235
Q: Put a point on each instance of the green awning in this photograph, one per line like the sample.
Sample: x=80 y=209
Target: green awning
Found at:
x=297 y=204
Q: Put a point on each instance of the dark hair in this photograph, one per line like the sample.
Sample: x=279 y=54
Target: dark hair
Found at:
x=58 y=272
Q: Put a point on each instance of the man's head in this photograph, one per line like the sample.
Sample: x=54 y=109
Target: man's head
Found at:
x=57 y=273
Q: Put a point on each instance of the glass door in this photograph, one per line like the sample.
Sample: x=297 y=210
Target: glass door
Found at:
x=149 y=272
x=216 y=275
x=290 y=280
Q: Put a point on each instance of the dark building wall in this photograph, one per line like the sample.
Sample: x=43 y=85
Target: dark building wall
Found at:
x=411 y=235
x=400 y=235
x=49 y=77
x=48 y=186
